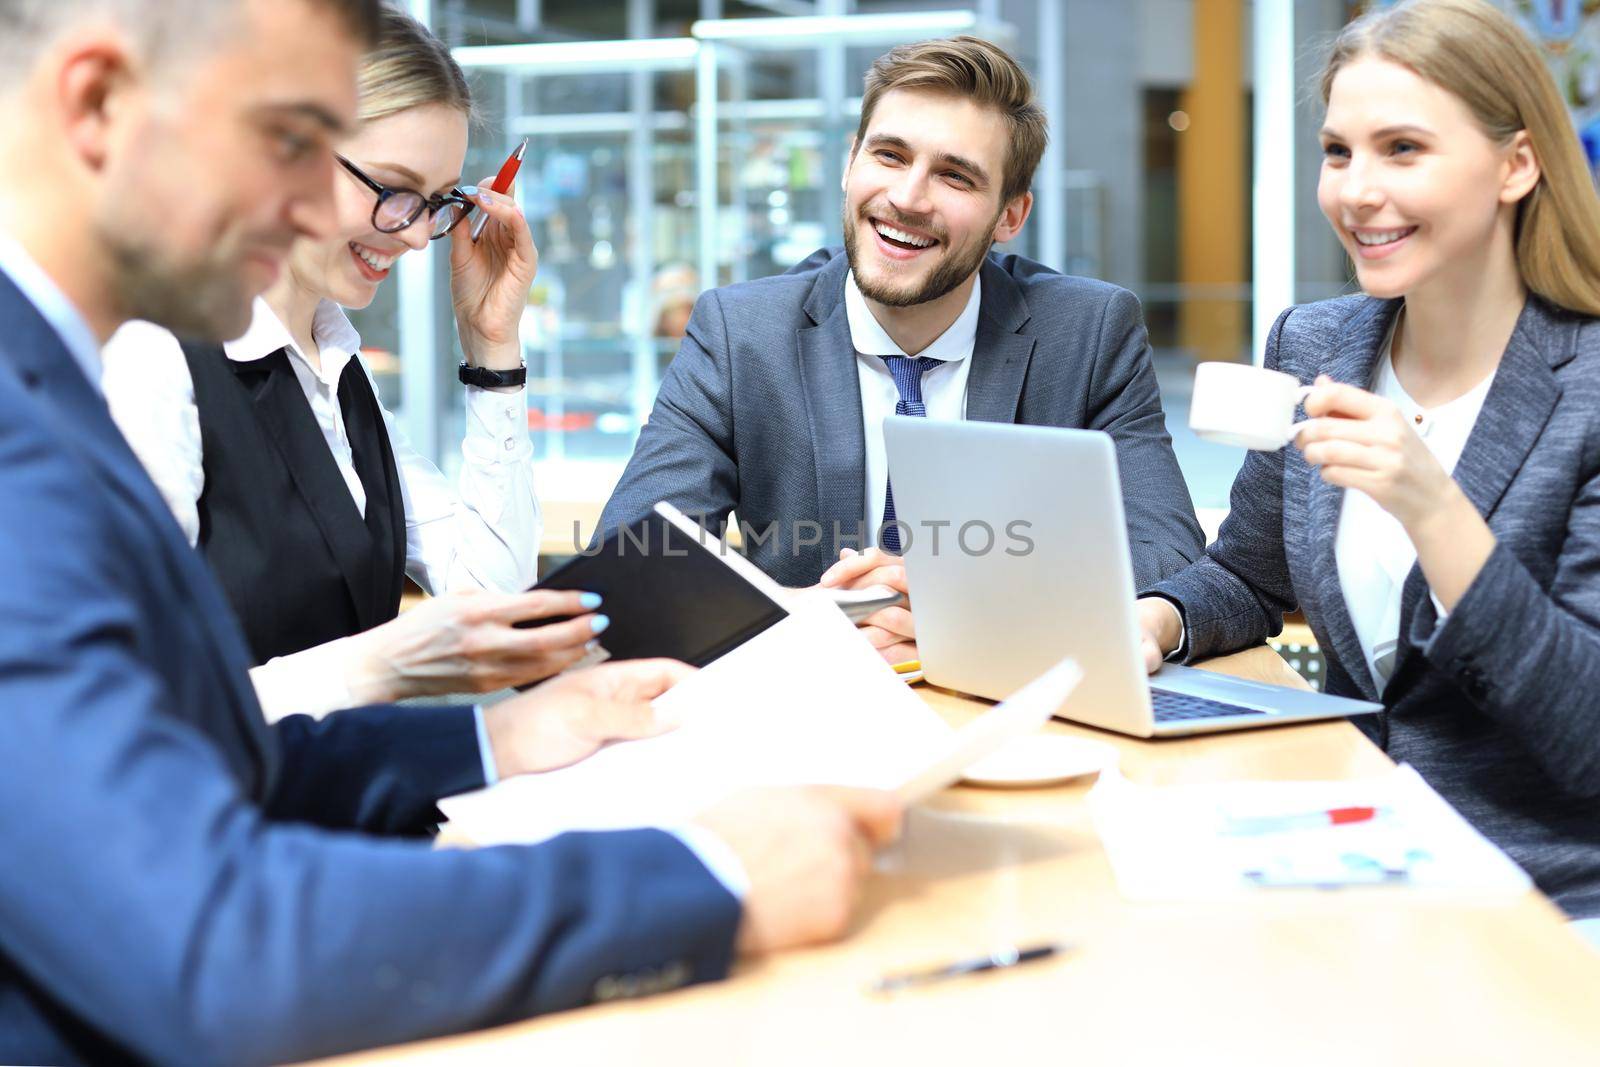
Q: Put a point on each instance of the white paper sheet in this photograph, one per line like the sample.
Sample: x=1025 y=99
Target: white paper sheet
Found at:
x=1184 y=843
x=808 y=701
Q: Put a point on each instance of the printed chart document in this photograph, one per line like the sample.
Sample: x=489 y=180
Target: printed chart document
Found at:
x=1193 y=842
x=807 y=702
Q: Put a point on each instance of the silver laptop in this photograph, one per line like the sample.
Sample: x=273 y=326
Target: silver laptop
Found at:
x=1017 y=555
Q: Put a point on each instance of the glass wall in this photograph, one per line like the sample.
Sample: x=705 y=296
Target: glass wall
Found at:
x=680 y=144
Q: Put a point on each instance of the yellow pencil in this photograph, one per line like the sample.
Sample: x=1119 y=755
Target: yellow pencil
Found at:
x=908 y=666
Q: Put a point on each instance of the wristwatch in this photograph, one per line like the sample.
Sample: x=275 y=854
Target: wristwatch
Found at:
x=484 y=378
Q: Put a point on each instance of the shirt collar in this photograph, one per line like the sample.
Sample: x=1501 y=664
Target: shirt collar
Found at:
x=47 y=298
x=869 y=337
x=334 y=334
x=1462 y=412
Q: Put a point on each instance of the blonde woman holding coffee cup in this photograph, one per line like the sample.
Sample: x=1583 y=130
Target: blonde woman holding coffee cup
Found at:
x=1436 y=514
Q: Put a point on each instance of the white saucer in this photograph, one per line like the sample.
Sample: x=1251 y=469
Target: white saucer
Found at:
x=1041 y=759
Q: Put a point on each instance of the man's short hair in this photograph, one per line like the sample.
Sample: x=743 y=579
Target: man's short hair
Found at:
x=165 y=29
x=972 y=69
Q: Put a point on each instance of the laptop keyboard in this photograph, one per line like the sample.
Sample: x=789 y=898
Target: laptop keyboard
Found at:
x=1176 y=707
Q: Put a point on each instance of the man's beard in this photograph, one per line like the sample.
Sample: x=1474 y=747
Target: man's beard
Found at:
x=204 y=300
x=956 y=269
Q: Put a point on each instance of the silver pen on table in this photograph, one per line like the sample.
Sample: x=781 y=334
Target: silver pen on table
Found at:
x=1010 y=956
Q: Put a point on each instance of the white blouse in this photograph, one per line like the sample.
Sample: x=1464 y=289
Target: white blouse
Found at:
x=1372 y=550
x=482 y=533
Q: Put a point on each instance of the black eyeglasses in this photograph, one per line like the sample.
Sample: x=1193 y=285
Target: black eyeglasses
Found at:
x=397 y=209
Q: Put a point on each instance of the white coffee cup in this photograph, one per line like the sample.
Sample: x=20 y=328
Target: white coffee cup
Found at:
x=1251 y=407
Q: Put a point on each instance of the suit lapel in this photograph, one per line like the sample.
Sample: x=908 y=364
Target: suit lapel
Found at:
x=832 y=389
x=281 y=406
x=1413 y=598
x=1000 y=355
x=1519 y=402
x=375 y=466
x=1354 y=364
x=46 y=365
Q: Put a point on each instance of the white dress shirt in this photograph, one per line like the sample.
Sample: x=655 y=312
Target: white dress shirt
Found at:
x=1373 y=552
x=482 y=534
x=944 y=389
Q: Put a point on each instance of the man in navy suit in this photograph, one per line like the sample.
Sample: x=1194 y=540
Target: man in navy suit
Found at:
x=181 y=882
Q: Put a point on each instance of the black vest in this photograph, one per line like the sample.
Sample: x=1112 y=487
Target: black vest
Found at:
x=299 y=563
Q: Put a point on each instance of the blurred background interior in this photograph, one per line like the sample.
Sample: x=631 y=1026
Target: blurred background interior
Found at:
x=676 y=145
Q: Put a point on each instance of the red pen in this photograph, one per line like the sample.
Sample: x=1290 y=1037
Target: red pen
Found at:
x=1311 y=820
x=501 y=184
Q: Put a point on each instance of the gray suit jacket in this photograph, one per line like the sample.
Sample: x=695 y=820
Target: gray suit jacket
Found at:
x=1496 y=706
x=760 y=411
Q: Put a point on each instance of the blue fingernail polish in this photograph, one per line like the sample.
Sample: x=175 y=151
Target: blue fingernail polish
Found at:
x=469 y=190
x=599 y=623
x=590 y=601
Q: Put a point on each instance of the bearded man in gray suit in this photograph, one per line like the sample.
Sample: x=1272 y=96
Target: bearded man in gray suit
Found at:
x=774 y=405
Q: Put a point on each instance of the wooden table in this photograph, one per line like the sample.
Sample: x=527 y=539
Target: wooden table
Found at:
x=1359 y=977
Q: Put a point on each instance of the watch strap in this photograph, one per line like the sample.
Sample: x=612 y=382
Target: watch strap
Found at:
x=484 y=378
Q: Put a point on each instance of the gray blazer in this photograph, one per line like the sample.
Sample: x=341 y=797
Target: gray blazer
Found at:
x=760 y=412
x=1497 y=706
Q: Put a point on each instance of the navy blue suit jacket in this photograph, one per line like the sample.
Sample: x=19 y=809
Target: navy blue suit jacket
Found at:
x=180 y=882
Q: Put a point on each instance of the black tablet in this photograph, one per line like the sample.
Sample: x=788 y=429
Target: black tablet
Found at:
x=666 y=594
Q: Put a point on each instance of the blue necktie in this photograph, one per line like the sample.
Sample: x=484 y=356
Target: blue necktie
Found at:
x=907 y=373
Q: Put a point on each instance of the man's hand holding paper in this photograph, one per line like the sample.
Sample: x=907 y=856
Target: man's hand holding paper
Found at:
x=807 y=702
x=568 y=718
x=805 y=851
x=798 y=751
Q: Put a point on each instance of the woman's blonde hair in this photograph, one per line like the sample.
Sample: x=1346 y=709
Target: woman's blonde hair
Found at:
x=1474 y=51
x=409 y=67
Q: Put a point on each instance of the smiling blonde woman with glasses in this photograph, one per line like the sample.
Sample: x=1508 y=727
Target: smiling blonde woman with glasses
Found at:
x=283 y=468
